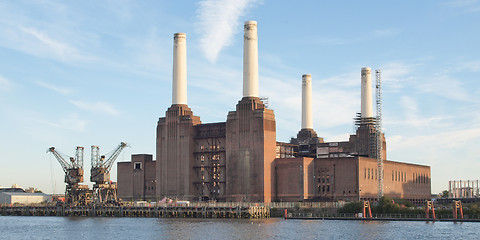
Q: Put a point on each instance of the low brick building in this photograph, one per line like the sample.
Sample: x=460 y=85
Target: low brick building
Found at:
x=136 y=179
x=348 y=179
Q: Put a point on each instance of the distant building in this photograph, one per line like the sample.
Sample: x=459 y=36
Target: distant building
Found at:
x=23 y=198
x=464 y=189
x=12 y=189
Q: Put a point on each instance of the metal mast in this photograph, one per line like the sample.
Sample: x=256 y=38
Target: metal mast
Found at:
x=378 y=126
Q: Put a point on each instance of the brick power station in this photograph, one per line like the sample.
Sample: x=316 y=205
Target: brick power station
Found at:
x=240 y=160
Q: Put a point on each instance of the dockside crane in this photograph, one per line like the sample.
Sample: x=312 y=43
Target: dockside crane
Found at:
x=75 y=193
x=105 y=192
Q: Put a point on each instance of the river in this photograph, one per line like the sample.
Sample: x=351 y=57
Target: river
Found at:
x=12 y=227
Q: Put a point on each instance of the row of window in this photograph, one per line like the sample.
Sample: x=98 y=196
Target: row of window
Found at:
x=420 y=178
x=399 y=176
x=324 y=176
x=214 y=157
x=213 y=147
x=324 y=188
x=370 y=173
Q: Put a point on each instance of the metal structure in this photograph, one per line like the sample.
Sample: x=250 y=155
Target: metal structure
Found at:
x=210 y=162
x=366 y=205
x=464 y=189
x=457 y=208
x=265 y=101
x=378 y=127
x=104 y=190
x=75 y=194
x=429 y=206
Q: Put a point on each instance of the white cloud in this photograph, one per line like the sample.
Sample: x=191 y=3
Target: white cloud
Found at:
x=60 y=90
x=462 y=3
x=380 y=33
x=4 y=83
x=97 y=107
x=413 y=117
x=351 y=79
x=446 y=87
x=218 y=22
x=396 y=74
x=71 y=122
x=60 y=49
x=346 y=40
x=473 y=66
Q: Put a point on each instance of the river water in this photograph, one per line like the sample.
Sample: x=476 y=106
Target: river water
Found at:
x=274 y=228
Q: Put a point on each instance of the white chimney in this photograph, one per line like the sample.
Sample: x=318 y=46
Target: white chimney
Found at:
x=179 y=89
x=367 y=111
x=307 y=120
x=250 y=60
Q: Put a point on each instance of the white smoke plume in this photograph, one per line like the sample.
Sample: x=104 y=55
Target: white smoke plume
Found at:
x=219 y=20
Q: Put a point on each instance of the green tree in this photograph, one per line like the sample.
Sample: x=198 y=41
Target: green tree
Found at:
x=351 y=207
x=445 y=194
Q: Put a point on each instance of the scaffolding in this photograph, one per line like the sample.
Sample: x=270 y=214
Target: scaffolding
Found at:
x=366 y=144
x=210 y=161
x=378 y=126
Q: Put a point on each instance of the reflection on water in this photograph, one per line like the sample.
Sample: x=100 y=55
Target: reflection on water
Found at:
x=152 y=228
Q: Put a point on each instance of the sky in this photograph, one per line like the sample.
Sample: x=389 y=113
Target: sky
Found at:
x=82 y=73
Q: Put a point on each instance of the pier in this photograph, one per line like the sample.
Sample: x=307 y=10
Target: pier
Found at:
x=145 y=211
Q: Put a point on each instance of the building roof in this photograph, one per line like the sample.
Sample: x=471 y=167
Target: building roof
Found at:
x=11 y=190
x=25 y=194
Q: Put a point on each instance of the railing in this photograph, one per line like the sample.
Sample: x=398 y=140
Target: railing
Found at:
x=377 y=216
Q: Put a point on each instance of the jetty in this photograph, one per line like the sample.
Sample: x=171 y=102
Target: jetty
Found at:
x=136 y=211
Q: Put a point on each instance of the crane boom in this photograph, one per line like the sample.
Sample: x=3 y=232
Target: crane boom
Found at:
x=61 y=159
x=109 y=162
x=73 y=169
x=104 y=190
x=101 y=165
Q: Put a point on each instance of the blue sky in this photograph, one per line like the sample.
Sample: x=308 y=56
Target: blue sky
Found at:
x=82 y=73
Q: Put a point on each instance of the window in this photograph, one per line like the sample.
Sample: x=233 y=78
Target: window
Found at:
x=137 y=166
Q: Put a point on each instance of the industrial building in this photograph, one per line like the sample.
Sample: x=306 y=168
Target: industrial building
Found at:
x=464 y=189
x=17 y=195
x=24 y=198
x=240 y=159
